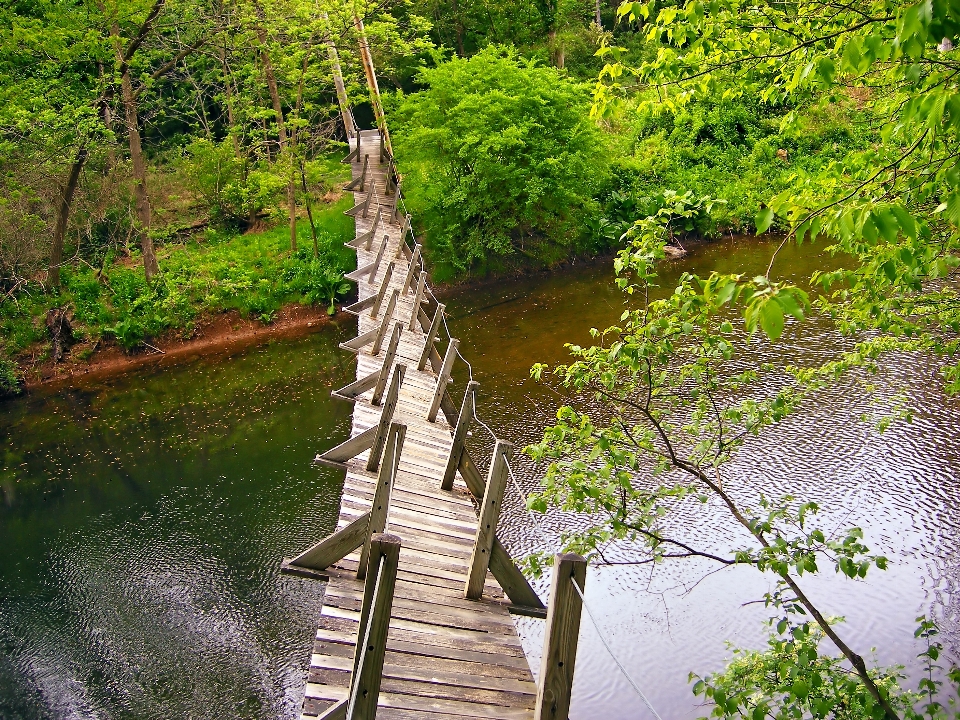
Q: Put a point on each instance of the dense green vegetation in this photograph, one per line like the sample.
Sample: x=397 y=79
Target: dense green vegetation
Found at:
x=500 y=160
x=140 y=141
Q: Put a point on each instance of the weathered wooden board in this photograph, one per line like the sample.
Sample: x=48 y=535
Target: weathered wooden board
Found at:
x=446 y=656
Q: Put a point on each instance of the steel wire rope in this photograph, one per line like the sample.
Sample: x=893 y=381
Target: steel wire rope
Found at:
x=611 y=653
x=586 y=606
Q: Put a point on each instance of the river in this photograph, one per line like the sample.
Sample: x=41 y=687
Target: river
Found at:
x=144 y=518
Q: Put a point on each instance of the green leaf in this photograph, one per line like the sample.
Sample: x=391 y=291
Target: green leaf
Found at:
x=764 y=220
x=771 y=319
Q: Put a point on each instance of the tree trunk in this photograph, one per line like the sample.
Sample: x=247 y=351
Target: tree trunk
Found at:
x=60 y=231
x=282 y=131
x=141 y=196
x=107 y=115
x=228 y=91
x=597 y=17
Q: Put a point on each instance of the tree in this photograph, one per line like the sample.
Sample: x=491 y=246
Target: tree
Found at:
x=657 y=409
x=499 y=160
x=48 y=120
x=894 y=206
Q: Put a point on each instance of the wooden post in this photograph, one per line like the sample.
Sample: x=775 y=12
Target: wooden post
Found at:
x=357 y=184
x=386 y=415
x=417 y=299
x=387 y=316
x=412 y=269
x=375 y=310
x=489 y=515
x=443 y=378
x=366 y=238
x=459 y=436
x=431 y=336
x=376 y=263
x=387 y=364
x=374 y=624
x=560 y=639
x=381 y=496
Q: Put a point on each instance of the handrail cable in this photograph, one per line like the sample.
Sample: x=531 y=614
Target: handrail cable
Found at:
x=586 y=606
x=610 y=651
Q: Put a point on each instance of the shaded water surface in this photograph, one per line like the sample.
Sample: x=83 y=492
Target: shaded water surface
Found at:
x=901 y=487
x=143 y=520
x=142 y=525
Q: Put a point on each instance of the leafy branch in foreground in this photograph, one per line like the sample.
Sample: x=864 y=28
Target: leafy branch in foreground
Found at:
x=893 y=206
x=658 y=407
x=793 y=678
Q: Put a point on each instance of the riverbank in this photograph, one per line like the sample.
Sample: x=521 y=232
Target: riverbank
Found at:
x=224 y=334
x=214 y=287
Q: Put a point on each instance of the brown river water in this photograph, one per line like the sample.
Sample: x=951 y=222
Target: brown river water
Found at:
x=144 y=518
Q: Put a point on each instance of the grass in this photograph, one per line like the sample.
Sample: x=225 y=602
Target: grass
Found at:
x=213 y=272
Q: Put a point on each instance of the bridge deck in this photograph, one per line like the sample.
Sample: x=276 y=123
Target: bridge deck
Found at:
x=447 y=657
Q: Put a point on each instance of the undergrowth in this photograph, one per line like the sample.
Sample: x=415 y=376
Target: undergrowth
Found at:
x=213 y=272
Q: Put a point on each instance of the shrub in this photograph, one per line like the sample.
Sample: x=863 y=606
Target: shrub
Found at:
x=500 y=160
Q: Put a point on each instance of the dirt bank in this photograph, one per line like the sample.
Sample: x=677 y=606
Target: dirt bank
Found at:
x=225 y=333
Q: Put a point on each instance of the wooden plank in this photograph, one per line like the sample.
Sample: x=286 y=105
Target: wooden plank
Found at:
x=334 y=547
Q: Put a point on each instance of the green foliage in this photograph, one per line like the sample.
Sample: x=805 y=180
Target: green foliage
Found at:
x=499 y=160
x=232 y=192
x=794 y=678
x=254 y=274
x=9 y=377
x=889 y=199
x=732 y=149
x=674 y=393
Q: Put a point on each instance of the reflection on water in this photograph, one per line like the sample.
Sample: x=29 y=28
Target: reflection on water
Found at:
x=142 y=528
x=901 y=487
x=143 y=520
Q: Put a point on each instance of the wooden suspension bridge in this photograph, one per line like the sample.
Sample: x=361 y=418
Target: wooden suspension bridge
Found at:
x=416 y=620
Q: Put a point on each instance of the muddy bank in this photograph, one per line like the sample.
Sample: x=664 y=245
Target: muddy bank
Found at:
x=224 y=334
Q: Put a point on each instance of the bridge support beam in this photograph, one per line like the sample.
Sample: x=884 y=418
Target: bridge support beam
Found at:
x=366 y=239
x=431 y=336
x=460 y=436
x=381 y=496
x=358 y=182
x=384 y=323
x=443 y=379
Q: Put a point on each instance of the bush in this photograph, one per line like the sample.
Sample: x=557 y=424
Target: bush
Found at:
x=501 y=161
x=733 y=150
x=232 y=192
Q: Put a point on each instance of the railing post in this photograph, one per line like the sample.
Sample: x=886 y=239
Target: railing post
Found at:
x=412 y=269
x=459 y=436
x=560 y=638
x=384 y=284
x=374 y=625
x=381 y=496
x=417 y=299
x=376 y=263
x=443 y=378
x=431 y=336
x=387 y=316
x=386 y=415
x=489 y=515
x=387 y=364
